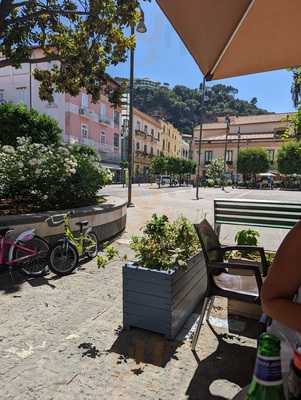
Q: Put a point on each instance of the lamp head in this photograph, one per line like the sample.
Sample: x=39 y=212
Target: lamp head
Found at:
x=141 y=28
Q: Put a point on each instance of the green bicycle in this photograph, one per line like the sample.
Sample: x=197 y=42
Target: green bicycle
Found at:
x=66 y=253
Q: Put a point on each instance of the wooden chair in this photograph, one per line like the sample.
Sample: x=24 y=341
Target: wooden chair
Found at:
x=239 y=280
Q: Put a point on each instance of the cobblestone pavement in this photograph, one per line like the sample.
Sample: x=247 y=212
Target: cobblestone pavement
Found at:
x=62 y=339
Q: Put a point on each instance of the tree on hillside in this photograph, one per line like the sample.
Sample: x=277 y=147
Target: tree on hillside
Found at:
x=17 y=121
x=289 y=159
x=182 y=106
x=85 y=37
x=252 y=161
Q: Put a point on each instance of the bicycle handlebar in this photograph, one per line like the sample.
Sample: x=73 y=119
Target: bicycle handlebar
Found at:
x=53 y=219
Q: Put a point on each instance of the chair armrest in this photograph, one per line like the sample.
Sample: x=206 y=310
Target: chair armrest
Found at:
x=260 y=250
x=228 y=265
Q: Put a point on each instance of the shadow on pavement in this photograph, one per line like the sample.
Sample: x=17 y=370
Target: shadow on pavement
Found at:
x=230 y=362
x=144 y=347
x=11 y=283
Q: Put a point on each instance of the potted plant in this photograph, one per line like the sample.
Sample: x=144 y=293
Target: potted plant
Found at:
x=168 y=278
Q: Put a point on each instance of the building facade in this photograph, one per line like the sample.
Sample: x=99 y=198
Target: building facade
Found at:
x=146 y=142
x=171 y=142
x=264 y=131
x=96 y=125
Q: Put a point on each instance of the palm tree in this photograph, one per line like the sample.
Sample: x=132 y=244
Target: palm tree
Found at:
x=296 y=86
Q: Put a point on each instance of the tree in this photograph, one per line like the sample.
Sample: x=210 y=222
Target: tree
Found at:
x=17 y=121
x=215 y=170
x=252 y=161
x=289 y=158
x=294 y=125
x=83 y=37
x=158 y=166
x=296 y=86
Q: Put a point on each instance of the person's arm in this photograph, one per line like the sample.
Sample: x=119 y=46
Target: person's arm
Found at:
x=283 y=282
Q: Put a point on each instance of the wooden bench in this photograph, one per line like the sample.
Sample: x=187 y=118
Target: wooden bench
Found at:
x=261 y=213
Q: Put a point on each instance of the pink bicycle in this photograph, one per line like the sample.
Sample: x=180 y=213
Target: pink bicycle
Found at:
x=28 y=252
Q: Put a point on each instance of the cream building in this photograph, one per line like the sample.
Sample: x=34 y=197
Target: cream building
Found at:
x=171 y=140
x=146 y=142
x=263 y=131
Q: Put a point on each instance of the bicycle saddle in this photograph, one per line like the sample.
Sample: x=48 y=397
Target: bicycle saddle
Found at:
x=4 y=230
x=82 y=223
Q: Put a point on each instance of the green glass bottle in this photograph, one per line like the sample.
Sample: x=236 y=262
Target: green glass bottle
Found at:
x=294 y=377
x=267 y=379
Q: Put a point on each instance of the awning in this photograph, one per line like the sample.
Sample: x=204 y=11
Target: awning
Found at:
x=236 y=37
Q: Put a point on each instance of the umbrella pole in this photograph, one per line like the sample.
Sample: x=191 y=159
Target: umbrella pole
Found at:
x=200 y=139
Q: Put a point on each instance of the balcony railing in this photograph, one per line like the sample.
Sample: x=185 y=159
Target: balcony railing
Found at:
x=105 y=119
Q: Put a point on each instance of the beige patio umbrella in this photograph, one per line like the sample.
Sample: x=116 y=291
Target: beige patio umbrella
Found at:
x=236 y=37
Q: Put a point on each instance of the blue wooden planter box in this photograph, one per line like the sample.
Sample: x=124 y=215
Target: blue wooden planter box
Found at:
x=161 y=301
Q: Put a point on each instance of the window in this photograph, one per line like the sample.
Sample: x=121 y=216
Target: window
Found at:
x=116 y=119
x=138 y=126
x=152 y=151
x=103 y=138
x=145 y=148
x=152 y=132
x=158 y=152
x=271 y=155
x=145 y=128
x=229 y=156
x=168 y=147
x=84 y=131
x=116 y=140
x=137 y=146
x=103 y=112
x=21 y=93
x=208 y=156
x=84 y=101
x=163 y=146
x=159 y=136
x=1 y=95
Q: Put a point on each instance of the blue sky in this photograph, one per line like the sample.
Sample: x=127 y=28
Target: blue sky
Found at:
x=162 y=56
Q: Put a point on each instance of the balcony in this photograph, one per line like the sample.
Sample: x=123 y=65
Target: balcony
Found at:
x=104 y=119
x=83 y=111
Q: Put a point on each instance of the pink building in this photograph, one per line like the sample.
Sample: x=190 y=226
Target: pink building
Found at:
x=96 y=125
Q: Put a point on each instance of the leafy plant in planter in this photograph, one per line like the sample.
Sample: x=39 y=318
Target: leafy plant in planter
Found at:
x=247 y=237
x=165 y=245
x=168 y=278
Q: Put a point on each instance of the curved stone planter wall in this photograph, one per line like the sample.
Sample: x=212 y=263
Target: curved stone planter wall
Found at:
x=108 y=219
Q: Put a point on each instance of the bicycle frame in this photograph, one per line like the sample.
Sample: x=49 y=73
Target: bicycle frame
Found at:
x=11 y=245
x=76 y=240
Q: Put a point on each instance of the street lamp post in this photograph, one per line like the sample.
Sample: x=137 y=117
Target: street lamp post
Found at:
x=200 y=138
x=226 y=149
x=238 y=148
x=141 y=28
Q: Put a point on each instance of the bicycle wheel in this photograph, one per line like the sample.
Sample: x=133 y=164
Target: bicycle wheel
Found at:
x=63 y=258
x=36 y=265
x=90 y=244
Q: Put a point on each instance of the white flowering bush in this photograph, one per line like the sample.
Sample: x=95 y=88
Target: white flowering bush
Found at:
x=49 y=176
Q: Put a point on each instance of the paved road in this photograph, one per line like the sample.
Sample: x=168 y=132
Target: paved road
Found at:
x=181 y=201
x=62 y=339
